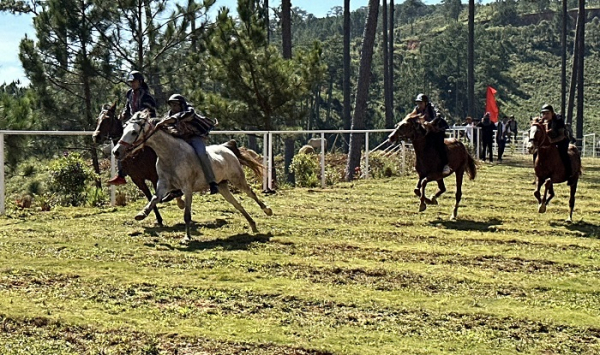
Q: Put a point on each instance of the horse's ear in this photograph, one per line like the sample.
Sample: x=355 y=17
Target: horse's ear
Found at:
x=113 y=106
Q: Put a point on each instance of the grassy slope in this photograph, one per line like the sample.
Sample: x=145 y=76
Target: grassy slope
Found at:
x=354 y=269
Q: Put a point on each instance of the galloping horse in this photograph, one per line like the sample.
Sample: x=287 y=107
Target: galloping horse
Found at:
x=428 y=164
x=141 y=166
x=178 y=166
x=549 y=168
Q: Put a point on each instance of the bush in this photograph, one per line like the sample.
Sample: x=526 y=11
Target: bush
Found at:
x=68 y=178
x=305 y=168
x=381 y=165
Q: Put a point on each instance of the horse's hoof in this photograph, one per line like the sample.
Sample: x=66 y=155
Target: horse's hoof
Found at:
x=569 y=220
x=542 y=208
x=254 y=229
x=453 y=217
x=140 y=216
x=268 y=211
x=180 y=203
x=417 y=192
x=434 y=200
x=422 y=207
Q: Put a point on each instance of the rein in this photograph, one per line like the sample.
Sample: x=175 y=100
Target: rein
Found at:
x=545 y=142
x=146 y=134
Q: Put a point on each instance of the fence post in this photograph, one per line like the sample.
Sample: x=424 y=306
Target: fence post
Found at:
x=265 y=167
x=270 y=173
x=366 y=155
x=323 y=182
x=113 y=200
x=2 y=187
x=403 y=158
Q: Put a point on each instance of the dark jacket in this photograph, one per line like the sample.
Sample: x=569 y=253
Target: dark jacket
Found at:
x=556 y=129
x=139 y=101
x=487 y=129
x=188 y=123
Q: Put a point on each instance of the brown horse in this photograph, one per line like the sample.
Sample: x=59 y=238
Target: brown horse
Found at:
x=428 y=163
x=549 y=168
x=141 y=166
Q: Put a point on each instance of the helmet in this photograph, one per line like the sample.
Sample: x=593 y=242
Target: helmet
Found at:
x=135 y=75
x=177 y=98
x=547 y=108
x=421 y=98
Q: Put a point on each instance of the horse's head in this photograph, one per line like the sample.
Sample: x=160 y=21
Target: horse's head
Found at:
x=135 y=133
x=409 y=128
x=537 y=137
x=107 y=125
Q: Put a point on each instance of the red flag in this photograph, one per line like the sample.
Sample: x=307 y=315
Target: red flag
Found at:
x=490 y=104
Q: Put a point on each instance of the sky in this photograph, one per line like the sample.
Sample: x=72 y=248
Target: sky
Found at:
x=13 y=28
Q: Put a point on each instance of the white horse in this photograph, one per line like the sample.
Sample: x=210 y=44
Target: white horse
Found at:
x=178 y=167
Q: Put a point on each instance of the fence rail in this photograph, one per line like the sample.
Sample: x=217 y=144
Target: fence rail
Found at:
x=469 y=134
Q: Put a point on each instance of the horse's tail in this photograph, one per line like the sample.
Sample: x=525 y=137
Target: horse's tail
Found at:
x=247 y=158
x=471 y=166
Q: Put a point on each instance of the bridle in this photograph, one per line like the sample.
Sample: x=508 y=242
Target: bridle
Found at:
x=545 y=141
x=145 y=134
x=108 y=114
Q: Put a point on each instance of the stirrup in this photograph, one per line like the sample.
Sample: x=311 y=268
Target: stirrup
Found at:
x=446 y=170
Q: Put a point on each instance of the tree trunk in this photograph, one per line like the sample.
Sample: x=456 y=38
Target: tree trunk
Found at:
x=286 y=40
x=389 y=119
x=362 y=91
x=573 y=85
x=286 y=28
x=391 y=58
x=471 y=61
x=563 y=43
x=347 y=103
x=580 y=71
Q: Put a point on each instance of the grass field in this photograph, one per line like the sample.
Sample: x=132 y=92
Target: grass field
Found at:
x=352 y=269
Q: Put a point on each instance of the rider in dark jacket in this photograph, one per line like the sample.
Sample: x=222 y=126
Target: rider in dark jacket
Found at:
x=138 y=99
x=184 y=122
x=438 y=133
x=557 y=133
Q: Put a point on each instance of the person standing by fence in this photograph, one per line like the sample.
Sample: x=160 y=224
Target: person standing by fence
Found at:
x=487 y=136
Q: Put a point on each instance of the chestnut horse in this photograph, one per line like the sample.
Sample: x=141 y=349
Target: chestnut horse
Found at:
x=428 y=163
x=141 y=166
x=549 y=168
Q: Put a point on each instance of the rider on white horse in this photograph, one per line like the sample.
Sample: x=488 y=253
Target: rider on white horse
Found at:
x=184 y=122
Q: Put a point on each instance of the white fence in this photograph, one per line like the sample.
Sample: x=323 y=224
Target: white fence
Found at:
x=456 y=132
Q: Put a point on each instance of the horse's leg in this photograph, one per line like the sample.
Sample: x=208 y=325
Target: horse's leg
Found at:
x=187 y=216
x=224 y=190
x=458 y=195
x=243 y=186
x=423 y=184
x=440 y=191
x=550 y=193
x=572 y=200
x=536 y=193
x=417 y=189
x=542 y=206
x=161 y=190
x=141 y=184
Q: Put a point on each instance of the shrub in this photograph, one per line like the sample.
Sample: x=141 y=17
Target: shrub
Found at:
x=305 y=168
x=68 y=178
x=381 y=165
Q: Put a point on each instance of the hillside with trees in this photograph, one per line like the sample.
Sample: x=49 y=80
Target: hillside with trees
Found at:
x=233 y=66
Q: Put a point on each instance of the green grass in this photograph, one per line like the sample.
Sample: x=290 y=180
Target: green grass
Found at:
x=352 y=269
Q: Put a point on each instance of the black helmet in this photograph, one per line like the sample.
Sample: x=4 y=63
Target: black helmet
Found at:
x=547 y=108
x=135 y=75
x=178 y=98
x=421 y=98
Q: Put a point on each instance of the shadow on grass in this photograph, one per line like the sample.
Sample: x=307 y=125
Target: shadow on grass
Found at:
x=235 y=242
x=468 y=225
x=180 y=227
x=587 y=230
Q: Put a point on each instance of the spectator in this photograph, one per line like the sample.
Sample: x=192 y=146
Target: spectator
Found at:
x=501 y=136
x=487 y=136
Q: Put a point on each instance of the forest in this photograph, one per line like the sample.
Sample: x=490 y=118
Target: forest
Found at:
x=238 y=66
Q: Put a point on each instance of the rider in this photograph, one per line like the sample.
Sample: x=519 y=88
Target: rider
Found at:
x=430 y=117
x=138 y=99
x=186 y=123
x=557 y=135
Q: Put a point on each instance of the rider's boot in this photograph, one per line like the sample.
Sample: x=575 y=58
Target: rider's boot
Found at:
x=208 y=173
